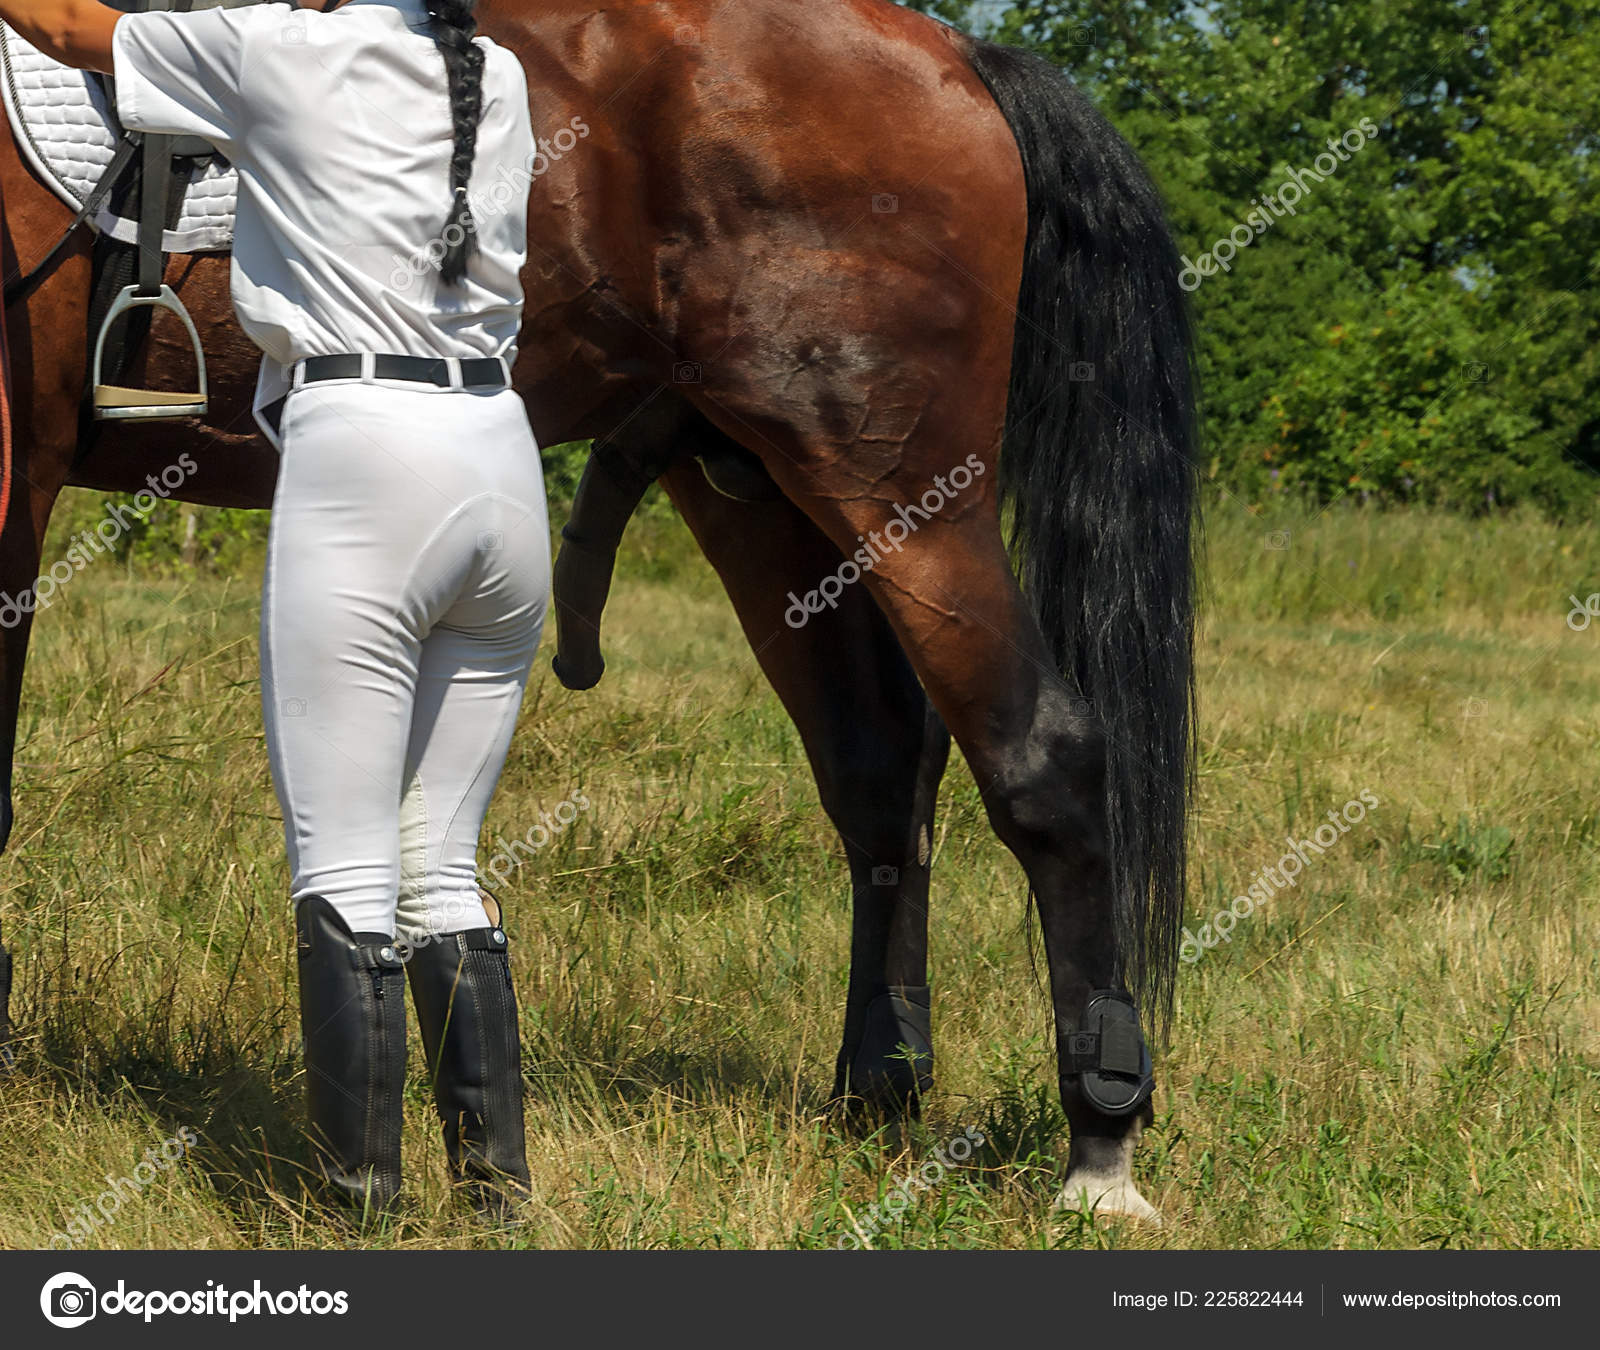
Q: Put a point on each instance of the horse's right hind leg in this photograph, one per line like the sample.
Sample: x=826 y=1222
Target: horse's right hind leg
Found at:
x=1037 y=753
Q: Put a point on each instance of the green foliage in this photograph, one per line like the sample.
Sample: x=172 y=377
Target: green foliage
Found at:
x=173 y=534
x=1471 y=851
x=1424 y=325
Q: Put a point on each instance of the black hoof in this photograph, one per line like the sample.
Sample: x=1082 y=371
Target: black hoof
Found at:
x=892 y=1067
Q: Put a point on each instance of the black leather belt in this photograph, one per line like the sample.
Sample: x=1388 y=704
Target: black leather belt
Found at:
x=477 y=372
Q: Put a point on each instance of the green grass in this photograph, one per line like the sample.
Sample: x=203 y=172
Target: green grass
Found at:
x=1402 y=1050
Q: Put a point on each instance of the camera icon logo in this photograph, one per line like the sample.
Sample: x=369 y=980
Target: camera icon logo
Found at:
x=67 y=1300
x=294 y=35
x=1278 y=540
x=688 y=372
x=885 y=876
x=294 y=707
x=489 y=541
x=885 y=204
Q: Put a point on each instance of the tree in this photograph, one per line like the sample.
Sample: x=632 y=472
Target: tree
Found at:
x=1419 y=318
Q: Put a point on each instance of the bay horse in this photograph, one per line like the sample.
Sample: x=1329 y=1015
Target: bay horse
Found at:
x=823 y=270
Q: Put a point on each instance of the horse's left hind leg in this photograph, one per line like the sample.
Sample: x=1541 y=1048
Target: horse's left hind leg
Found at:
x=877 y=751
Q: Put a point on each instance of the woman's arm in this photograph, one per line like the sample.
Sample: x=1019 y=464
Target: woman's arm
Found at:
x=74 y=32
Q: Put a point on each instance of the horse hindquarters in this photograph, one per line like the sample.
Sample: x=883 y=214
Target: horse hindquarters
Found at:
x=880 y=414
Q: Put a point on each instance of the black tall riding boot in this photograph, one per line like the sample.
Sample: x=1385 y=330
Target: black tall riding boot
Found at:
x=353 y=1020
x=468 y=1014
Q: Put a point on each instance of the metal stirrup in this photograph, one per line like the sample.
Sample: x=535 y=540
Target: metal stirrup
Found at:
x=119 y=402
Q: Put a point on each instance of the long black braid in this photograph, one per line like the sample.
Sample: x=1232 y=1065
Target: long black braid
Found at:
x=454 y=27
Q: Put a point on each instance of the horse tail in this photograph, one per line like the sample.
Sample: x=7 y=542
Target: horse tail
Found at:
x=1098 y=478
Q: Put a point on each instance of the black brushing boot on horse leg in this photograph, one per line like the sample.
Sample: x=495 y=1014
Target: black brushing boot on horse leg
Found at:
x=353 y=1021
x=467 y=1010
x=880 y=791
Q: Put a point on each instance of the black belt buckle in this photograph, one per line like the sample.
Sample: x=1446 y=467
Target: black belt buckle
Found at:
x=482 y=372
x=417 y=369
x=345 y=366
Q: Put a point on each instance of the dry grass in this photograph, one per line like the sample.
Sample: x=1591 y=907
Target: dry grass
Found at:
x=1403 y=1050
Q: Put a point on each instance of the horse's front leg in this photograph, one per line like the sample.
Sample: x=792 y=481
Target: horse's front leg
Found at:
x=40 y=436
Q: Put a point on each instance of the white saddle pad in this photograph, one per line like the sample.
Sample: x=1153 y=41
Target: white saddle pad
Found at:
x=62 y=125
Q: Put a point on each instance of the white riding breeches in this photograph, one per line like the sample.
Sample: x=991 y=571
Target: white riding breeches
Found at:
x=407 y=577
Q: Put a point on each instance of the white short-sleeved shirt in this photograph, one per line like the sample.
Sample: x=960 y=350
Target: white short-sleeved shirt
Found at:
x=340 y=128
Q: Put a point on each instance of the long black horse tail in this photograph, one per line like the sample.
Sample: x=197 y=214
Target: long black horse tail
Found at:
x=1098 y=475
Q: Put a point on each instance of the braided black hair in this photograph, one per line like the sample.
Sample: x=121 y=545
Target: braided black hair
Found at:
x=454 y=27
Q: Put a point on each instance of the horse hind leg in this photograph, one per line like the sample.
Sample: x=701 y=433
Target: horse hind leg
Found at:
x=1038 y=754
x=880 y=792
x=1035 y=747
x=877 y=751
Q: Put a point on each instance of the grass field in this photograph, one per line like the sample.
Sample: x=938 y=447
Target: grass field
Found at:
x=1402 y=1050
